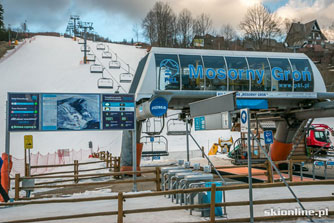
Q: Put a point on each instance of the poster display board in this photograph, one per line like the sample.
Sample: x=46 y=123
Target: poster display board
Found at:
x=23 y=114
x=70 y=112
x=118 y=111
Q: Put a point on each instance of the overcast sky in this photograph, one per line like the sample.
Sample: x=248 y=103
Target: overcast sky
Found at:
x=115 y=18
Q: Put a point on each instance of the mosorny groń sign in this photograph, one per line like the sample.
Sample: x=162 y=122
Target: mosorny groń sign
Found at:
x=234 y=74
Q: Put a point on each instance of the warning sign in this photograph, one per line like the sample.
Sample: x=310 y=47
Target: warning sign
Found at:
x=28 y=142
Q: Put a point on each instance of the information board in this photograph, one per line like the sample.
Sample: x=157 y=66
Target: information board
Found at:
x=72 y=112
x=23 y=109
x=199 y=123
x=118 y=111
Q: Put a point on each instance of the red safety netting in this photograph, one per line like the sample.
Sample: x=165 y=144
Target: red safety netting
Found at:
x=62 y=156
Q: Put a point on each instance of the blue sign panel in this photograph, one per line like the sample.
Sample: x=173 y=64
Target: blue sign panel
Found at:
x=268 y=137
x=70 y=112
x=330 y=163
x=319 y=163
x=159 y=106
x=199 y=123
x=118 y=111
x=252 y=103
x=23 y=112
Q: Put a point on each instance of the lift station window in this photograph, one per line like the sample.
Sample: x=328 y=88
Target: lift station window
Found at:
x=188 y=82
x=237 y=74
x=168 y=71
x=261 y=68
x=212 y=65
x=306 y=82
x=219 y=73
x=283 y=65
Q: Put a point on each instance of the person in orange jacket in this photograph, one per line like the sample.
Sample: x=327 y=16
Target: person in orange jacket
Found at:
x=2 y=190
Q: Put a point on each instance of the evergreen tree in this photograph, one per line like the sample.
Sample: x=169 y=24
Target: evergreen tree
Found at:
x=1 y=18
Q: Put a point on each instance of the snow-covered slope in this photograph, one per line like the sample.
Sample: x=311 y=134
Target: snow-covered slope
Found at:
x=52 y=64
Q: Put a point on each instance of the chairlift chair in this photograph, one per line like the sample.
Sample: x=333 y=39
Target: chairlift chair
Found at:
x=81 y=41
x=96 y=68
x=83 y=49
x=176 y=127
x=156 y=145
x=114 y=64
x=106 y=55
x=126 y=77
x=106 y=83
x=100 y=46
x=153 y=126
x=91 y=57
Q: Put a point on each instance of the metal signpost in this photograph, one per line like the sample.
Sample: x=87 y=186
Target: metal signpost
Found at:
x=28 y=145
x=245 y=127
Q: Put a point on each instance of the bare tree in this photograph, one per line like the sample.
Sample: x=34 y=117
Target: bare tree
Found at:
x=259 y=23
x=229 y=34
x=159 y=25
x=185 y=25
x=135 y=30
x=2 y=25
x=203 y=25
x=149 y=27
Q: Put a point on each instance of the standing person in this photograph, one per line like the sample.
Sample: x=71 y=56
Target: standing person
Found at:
x=2 y=191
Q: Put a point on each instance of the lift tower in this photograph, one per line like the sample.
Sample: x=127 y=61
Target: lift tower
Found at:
x=85 y=26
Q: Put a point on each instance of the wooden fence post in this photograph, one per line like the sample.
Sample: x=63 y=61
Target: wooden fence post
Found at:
x=76 y=171
x=158 y=179
x=17 y=186
x=110 y=162
x=120 y=208
x=290 y=170
x=213 y=204
x=269 y=172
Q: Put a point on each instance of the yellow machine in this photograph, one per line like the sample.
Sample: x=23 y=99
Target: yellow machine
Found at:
x=224 y=145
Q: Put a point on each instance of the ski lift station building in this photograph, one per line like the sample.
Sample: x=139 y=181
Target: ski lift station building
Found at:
x=289 y=84
x=197 y=74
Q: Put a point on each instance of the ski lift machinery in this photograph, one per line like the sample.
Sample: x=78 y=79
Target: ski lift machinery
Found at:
x=96 y=68
x=126 y=77
x=100 y=46
x=114 y=64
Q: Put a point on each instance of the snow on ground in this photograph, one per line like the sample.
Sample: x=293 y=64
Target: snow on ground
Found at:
x=57 y=209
